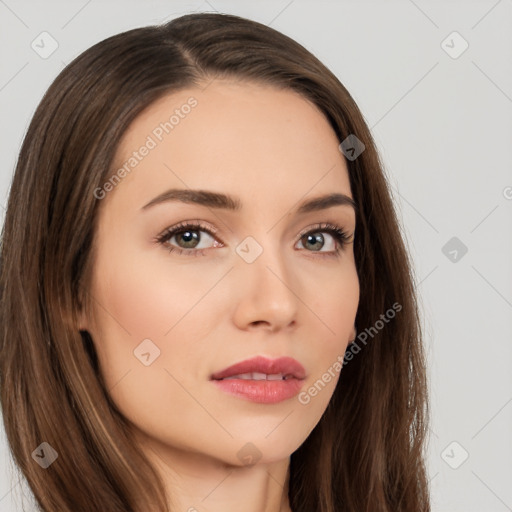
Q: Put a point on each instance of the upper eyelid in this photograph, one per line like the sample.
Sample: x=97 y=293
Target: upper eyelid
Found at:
x=182 y=226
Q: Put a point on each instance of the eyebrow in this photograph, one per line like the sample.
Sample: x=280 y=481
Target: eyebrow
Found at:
x=225 y=202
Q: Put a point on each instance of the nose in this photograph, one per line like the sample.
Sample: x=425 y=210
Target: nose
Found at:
x=268 y=293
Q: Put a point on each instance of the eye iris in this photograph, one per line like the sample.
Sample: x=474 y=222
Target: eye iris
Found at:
x=314 y=238
x=189 y=237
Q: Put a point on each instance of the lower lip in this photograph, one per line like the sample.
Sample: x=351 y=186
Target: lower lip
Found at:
x=261 y=391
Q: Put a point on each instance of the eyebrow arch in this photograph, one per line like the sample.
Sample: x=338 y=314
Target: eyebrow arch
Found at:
x=222 y=201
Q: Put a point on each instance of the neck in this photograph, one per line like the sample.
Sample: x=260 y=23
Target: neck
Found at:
x=196 y=482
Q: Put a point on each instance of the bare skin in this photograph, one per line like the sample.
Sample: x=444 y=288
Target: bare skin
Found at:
x=273 y=150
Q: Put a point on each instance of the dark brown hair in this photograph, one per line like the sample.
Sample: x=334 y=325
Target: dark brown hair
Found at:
x=365 y=454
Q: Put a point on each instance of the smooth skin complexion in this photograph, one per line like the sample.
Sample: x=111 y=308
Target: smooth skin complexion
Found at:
x=205 y=307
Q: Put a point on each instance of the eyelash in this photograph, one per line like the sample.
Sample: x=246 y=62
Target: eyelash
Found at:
x=339 y=235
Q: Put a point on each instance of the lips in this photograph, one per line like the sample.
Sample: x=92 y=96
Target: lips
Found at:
x=261 y=368
x=262 y=380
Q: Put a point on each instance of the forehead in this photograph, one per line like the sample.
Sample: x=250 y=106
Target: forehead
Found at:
x=247 y=139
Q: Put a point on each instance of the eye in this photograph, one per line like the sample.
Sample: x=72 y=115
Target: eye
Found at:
x=188 y=239
x=313 y=238
x=186 y=235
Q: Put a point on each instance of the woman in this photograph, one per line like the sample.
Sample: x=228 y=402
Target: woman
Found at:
x=137 y=377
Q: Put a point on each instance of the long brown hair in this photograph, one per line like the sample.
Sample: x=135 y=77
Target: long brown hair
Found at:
x=367 y=452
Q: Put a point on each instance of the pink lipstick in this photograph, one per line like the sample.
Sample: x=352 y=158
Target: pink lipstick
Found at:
x=262 y=380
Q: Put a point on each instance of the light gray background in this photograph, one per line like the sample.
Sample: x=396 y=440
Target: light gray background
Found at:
x=444 y=129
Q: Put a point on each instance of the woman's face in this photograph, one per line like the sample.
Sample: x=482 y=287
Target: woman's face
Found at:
x=265 y=279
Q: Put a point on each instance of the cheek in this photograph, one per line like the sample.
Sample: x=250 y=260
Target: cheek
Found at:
x=334 y=303
x=153 y=299
x=151 y=296
x=174 y=308
x=334 y=310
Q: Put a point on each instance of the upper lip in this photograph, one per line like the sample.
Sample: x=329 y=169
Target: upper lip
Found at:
x=285 y=365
